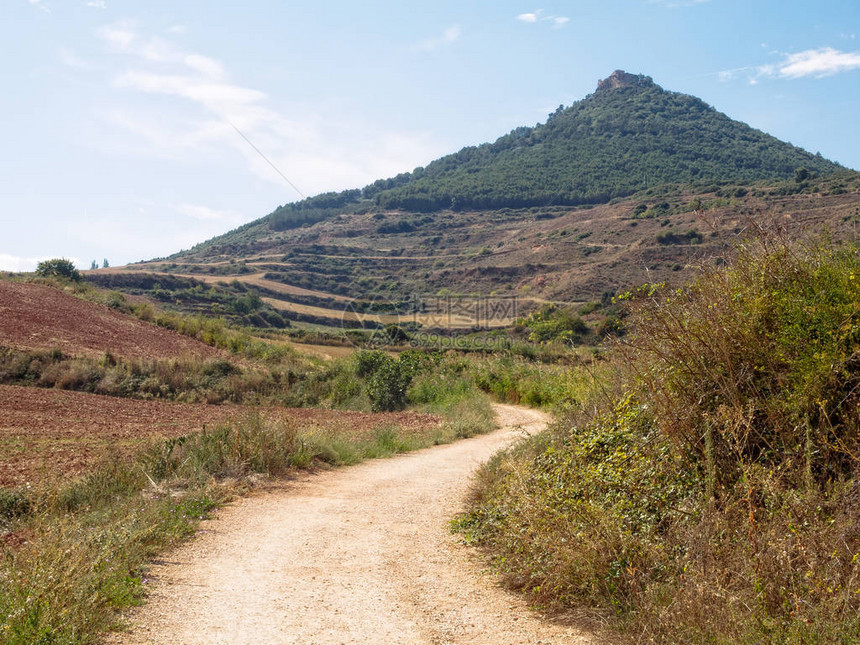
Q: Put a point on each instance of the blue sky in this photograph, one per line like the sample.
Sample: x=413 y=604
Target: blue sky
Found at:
x=119 y=118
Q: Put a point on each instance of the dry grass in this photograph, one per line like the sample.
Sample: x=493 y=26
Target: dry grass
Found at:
x=706 y=492
x=74 y=554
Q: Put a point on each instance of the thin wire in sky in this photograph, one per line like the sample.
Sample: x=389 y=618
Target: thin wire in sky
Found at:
x=259 y=152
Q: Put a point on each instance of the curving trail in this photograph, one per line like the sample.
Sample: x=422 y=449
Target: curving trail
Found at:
x=356 y=555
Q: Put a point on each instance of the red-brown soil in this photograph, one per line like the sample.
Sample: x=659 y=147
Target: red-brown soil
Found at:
x=34 y=316
x=47 y=434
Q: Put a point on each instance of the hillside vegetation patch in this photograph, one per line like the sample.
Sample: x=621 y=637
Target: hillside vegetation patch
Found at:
x=706 y=490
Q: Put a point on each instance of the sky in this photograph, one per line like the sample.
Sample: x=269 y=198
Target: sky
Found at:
x=133 y=130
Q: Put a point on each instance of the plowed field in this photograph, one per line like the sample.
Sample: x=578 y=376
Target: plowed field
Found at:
x=34 y=316
x=45 y=434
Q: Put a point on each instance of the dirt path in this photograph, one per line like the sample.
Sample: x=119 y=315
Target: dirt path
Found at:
x=358 y=555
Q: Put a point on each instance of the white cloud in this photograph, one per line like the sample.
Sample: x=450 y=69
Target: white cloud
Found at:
x=97 y=4
x=193 y=76
x=816 y=63
x=205 y=65
x=177 y=30
x=40 y=5
x=215 y=96
x=557 y=22
x=154 y=136
x=19 y=264
x=317 y=149
x=825 y=61
x=205 y=213
x=731 y=74
x=118 y=35
x=123 y=37
x=449 y=36
x=158 y=50
x=70 y=59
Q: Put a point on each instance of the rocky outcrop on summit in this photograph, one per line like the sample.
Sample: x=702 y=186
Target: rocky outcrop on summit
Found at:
x=620 y=78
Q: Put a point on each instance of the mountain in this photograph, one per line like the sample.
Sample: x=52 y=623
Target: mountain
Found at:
x=631 y=184
x=629 y=135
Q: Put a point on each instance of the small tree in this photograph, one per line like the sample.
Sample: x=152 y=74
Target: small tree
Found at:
x=387 y=378
x=94 y=265
x=105 y=264
x=58 y=268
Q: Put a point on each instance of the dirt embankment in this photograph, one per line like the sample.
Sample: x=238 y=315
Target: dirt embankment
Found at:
x=359 y=555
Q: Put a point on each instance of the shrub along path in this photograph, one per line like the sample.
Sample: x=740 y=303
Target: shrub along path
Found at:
x=357 y=555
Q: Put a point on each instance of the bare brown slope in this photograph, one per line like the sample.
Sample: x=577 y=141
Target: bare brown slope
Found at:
x=34 y=316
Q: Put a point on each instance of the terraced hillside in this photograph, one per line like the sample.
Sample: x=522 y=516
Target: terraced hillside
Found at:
x=344 y=270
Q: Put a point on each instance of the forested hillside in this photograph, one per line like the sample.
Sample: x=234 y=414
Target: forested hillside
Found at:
x=629 y=135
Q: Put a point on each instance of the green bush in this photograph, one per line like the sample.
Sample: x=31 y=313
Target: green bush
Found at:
x=58 y=268
x=367 y=362
x=387 y=385
x=386 y=378
x=671 y=237
x=551 y=323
